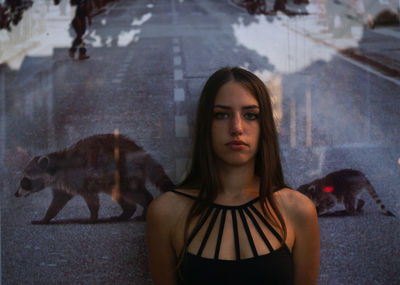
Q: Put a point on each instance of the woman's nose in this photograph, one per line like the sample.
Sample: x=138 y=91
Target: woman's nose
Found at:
x=237 y=125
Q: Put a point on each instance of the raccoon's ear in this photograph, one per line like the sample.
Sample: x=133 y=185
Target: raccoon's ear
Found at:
x=43 y=162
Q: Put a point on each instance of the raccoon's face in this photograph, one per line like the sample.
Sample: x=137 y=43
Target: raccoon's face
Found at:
x=36 y=176
x=32 y=185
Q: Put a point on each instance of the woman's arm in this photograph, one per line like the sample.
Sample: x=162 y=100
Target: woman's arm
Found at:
x=306 y=244
x=160 y=222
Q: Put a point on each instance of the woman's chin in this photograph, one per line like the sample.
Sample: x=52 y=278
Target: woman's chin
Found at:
x=236 y=161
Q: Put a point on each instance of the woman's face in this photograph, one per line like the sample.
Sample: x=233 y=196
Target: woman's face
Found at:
x=235 y=127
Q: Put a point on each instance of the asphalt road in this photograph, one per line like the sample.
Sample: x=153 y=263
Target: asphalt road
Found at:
x=148 y=61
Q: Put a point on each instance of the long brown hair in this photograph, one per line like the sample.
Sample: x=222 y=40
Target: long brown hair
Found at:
x=202 y=174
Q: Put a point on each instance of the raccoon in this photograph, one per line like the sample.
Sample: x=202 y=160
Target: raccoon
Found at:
x=101 y=163
x=341 y=186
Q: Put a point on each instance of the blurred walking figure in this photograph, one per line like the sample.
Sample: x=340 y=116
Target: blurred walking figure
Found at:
x=260 y=7
x=83 y=11
x=280 y=5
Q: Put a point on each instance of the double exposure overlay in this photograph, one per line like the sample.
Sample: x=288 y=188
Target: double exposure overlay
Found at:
x=97 y=106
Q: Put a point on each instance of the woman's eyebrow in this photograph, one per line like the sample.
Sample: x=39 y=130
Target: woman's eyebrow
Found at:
x=244 y=107
x=251 y=107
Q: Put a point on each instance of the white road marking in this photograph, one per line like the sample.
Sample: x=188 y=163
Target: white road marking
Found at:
x=308 y=118
x=179 y=94
x=320 y=153
x=177 y=60
x=293 y=123
x=116 y=81
x=181 y=122
x=181 y=127
x=181 y=168
x=178 y=74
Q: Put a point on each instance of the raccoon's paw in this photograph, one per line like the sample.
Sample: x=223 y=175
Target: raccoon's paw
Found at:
x=40 y=222
x=139 y=219
x=117 y=218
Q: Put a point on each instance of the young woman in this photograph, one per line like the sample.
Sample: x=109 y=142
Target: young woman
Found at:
x=233 y=220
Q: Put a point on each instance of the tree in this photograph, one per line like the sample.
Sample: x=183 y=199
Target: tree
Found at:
x=280 y=5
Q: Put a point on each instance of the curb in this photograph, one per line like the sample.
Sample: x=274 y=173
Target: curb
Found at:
x=355 y=54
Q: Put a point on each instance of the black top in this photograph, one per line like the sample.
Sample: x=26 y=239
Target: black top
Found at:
x=235 y=227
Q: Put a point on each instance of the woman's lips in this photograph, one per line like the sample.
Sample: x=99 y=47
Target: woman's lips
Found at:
x=237 y=145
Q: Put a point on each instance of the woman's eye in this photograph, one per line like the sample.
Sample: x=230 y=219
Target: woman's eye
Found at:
x=221 y=115
x=251 y=116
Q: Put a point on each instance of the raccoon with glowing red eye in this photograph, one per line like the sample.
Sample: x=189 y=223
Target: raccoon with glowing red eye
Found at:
x=341 y=187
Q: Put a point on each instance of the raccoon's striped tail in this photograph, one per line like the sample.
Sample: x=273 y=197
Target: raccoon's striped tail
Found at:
x=378 y=201
x=155 y=172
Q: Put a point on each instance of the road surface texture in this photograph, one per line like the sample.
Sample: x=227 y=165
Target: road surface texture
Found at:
x=148 y=62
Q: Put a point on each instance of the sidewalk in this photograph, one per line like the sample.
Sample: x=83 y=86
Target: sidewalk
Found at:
x=378 y=48
x=41 y=30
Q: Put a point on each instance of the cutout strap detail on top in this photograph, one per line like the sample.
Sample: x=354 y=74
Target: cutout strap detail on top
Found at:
x=221 y=230
x=247 y=209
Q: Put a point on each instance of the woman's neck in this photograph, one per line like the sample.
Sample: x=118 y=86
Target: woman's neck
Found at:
x=238 y=182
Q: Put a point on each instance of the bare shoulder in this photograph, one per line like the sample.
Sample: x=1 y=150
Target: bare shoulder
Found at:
x=162 y=205
x=164 y=216
x=297 y=206
x=169 y=206
x=302 y=215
